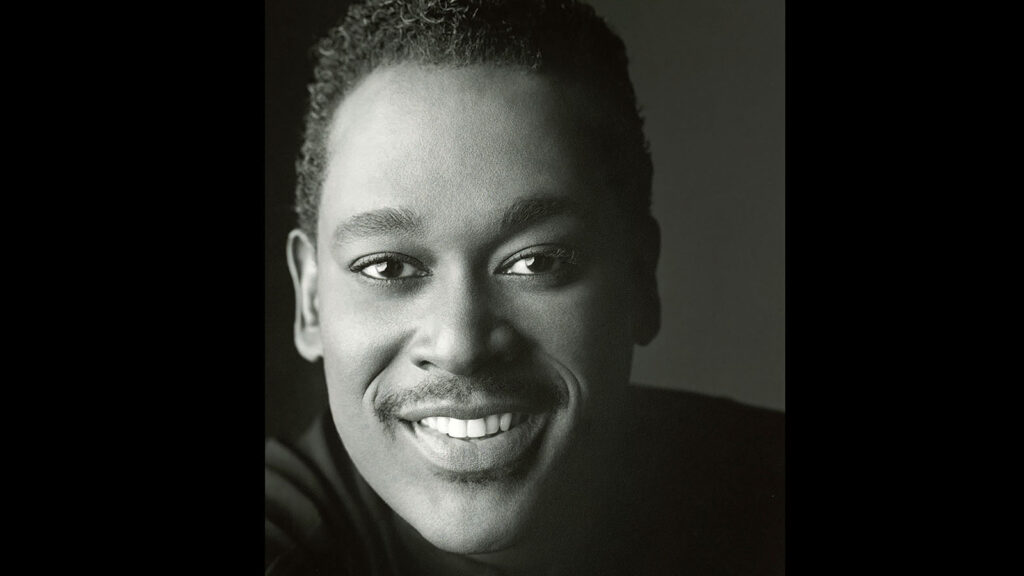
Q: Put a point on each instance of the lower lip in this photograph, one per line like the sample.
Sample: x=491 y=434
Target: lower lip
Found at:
x=465 y=456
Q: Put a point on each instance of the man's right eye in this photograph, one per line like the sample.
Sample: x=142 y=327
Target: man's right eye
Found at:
x=389 y=267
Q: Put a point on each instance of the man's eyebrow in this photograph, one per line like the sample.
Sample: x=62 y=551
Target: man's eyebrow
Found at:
x=380 y=222
x=402 y=221
x=524 y=213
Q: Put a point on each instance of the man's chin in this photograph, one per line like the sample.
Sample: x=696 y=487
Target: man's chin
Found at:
x=472 y=536
x=478 y=524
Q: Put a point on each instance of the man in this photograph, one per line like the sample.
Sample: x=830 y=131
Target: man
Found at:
x=475 y=260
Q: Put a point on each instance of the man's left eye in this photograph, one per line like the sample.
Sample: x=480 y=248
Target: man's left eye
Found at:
x=536 y=264
x=556 y=261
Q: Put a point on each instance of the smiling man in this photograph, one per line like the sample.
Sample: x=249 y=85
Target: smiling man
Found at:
x=474 y=263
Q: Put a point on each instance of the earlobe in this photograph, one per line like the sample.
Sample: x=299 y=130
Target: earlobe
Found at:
x=303 y=268
x=648 y=310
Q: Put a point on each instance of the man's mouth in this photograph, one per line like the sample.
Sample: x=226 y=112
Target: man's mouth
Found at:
x=488 y=426
x=481 y=441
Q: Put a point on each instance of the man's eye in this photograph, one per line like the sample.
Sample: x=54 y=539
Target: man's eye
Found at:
x=541 y=263
x=533 y=265
x=387 y=269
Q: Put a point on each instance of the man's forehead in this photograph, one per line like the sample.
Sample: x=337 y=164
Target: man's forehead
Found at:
x=481 y=134
x=446 y=104
x=419 y=88
x=452 y=100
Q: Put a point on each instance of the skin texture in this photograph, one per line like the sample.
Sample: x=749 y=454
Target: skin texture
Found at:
x=471 y=318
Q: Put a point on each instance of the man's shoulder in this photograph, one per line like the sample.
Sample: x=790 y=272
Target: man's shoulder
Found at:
x=709 y=438
x=315 y=509
x=694 y=404
x=713 y=479
x=706 y=421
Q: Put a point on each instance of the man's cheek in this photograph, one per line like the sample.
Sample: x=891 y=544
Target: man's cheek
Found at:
x=576 y=317
x=361 y=339
x=588 y=330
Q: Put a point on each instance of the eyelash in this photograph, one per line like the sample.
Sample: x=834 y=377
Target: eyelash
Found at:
x=363 y=263
x=567 y=260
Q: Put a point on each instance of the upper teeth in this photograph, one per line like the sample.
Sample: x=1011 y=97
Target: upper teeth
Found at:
x=469 y=428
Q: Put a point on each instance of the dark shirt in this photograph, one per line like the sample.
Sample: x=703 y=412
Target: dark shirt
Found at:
x=702 y=492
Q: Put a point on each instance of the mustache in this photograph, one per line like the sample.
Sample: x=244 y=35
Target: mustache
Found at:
x=536 y=391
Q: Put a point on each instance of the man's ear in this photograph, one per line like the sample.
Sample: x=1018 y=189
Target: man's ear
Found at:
x=648 y=319
x=302 y=265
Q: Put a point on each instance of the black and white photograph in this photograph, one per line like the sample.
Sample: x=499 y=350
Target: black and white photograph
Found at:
x=525 y=287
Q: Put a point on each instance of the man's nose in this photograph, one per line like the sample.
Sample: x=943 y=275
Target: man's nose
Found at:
x=462 y=331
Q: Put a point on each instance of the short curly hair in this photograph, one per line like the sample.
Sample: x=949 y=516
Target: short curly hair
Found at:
x=565 y=38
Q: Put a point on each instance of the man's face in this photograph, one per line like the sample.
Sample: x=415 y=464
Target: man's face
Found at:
x=472 y=293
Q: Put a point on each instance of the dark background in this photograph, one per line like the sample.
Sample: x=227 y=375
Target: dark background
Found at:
x=710 y=79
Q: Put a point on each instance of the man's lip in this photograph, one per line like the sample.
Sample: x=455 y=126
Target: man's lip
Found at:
x=468 y=410
x=477 y=455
